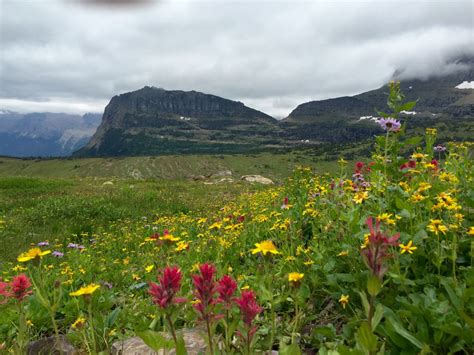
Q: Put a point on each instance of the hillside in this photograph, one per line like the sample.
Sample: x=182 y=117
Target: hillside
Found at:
x=153 y=121
x=44 y=134
x=441 y=103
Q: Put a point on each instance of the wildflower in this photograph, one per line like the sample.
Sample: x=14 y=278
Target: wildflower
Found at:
x=407 y=248
x=471 y=231
x=73 y=246
x=43 y=244
x=389 y=124
x=205 y=291
x=411 y=164
x=343 y=253
x=32 y=254
x=57 y=254
x=386 y=218
x=376 y=250
x=294 y=278
x=226 y=288
x=29 y=323
x=265 y=247
x=164 y=292
x=78 y=323
x=168 y=238
x=431 y=131
x=342 y=161
x=439 y=148
x=149 y=268
x=19 y=287
x=344 y=300
x=248 y=306
x=436 y=226
x=182 y=246
x=85 y=291
x=360 y=197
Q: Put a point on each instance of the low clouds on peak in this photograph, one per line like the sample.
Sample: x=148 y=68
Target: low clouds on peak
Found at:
x=272 y=55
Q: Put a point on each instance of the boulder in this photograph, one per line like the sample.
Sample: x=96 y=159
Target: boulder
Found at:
x=52 y=345
x=257 y=178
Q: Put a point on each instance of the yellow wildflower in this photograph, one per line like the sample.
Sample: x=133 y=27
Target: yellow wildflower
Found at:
x=360 y=197
x=34 y=253
x=182 y=245
x=79 y=323
x=149 y=268
x=407 y=248
x=344 y=300
x=437 y=226
x=386 y=218
x=343 y=253
x=295 y=277
x=86 y=290
x=265 y=247
x=471 y=231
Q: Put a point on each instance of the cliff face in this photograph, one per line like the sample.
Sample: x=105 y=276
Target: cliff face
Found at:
x=158 y=121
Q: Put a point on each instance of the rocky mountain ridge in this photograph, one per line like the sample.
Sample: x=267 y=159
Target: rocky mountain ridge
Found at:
x=44 y=134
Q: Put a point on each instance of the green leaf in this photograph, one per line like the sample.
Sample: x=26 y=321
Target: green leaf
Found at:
x=365 y=338
x=292 y=349
x=365 y=302
x=155 y=340
x=181 y=346
x=112 y=317
x=374 y=285
x=408 y=106
x=378 y=315
x=404 y=333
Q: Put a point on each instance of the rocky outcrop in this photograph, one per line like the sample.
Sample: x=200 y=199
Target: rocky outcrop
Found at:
x=153 y=121
x=257 y=179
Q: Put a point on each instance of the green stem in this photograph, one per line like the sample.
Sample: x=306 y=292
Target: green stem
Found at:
x=295 y=325
x=386 y=153
x=209 y=336
x=91 y=320
x=21 y=328
x=172 y=330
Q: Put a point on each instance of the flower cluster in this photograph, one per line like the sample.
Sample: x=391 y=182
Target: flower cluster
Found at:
x=376 y=250
x=18 y=288
x=169 y=283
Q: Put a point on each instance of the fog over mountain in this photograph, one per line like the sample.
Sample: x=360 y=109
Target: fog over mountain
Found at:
x=73 y=56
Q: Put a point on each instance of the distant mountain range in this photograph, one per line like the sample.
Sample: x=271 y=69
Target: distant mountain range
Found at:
x=154 y=121
x=44 y=134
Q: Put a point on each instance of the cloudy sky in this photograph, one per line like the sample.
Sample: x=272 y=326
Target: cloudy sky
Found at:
x=73 y=55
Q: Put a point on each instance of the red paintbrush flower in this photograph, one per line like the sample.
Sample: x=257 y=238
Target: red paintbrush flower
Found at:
x=19 y=287
x=249 y=307
x=226 y=289
x=376 y=250
x=205 y=290
x=165 y=291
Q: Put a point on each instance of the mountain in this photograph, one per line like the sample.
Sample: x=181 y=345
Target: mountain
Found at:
x=44 y=134
x=153 y=121
x=444 y=101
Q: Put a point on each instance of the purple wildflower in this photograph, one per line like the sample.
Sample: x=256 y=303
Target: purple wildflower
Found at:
x=73 y=246
x=389 y=124
x=57 y=254
x=439 y=148
x=107 y=284
x=81 y=247
x=43 y=244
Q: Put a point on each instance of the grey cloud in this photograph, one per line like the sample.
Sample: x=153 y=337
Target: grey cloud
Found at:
x=272 y=55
